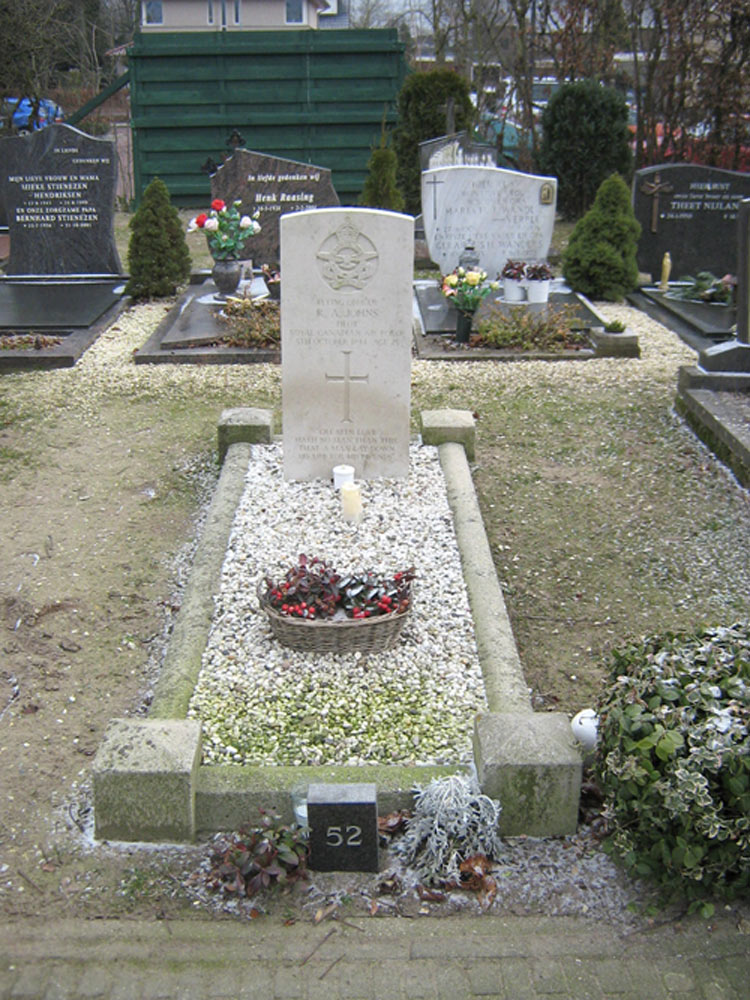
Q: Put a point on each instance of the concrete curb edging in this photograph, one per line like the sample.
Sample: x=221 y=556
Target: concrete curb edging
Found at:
x=149 y=785
x=710 y=418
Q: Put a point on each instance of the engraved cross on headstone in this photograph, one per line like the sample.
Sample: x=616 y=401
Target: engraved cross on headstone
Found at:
x=654 y=188
x=347 y=378
x=434 y=182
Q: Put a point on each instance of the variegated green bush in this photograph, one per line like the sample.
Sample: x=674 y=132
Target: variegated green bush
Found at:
x=673 y=761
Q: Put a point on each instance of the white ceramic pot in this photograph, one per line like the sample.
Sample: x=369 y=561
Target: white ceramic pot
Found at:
x=538 y=291
x=513 y=290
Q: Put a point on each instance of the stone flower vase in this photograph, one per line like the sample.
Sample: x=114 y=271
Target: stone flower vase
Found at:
x=226 y=275
x=463 y=326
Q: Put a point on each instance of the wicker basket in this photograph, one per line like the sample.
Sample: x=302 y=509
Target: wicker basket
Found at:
x=363 y=635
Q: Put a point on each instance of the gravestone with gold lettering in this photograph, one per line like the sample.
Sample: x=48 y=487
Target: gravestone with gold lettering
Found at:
x=59 y=195
x=271 y=186
x=346 y=334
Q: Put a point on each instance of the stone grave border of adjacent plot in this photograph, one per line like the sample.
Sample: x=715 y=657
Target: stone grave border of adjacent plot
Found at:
x=74 y=341
x=436 y=345
x=149 y=783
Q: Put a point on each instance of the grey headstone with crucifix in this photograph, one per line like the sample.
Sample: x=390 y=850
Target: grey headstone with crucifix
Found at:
x=346 y=316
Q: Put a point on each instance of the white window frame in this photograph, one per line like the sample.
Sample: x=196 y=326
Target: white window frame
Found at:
x=303 y=13
x=236 y=11
x=144 y=12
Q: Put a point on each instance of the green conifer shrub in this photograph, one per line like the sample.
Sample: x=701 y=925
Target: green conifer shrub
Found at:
x=381 y=189
x=422 y=105
x=585 y=138
x=600 y=257
x=158 y=255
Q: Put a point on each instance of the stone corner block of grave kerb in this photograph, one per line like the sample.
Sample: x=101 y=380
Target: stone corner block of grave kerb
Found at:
x=246 y=424
x=615 y=345
x=144 y=780
x=530 y=763
x=729 y=356
x=440 y=426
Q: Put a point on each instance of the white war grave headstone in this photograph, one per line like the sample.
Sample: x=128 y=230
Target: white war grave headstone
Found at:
x=501 y=213
x=346 y=317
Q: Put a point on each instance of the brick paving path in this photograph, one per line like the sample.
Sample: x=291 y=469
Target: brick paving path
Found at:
x=514 y=958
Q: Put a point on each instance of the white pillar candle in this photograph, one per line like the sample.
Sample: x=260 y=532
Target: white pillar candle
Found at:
x=351 y=501
x=342 y=474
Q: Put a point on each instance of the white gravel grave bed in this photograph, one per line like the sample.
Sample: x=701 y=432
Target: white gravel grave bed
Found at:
x=262 y=703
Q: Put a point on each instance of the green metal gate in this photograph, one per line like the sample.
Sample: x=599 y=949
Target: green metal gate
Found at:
x=313 y=96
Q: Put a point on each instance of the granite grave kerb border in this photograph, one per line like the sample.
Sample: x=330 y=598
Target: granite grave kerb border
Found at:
x=529 y=760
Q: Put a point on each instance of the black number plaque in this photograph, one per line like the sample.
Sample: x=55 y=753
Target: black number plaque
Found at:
x=343 y=821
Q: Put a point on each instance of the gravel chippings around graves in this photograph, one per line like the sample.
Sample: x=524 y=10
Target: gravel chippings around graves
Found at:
x=85 y=622
x=263 y=703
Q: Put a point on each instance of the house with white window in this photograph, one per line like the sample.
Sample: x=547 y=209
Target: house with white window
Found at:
x=242 y=15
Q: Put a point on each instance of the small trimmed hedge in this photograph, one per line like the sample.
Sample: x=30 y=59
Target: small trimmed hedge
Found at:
x=673 y=761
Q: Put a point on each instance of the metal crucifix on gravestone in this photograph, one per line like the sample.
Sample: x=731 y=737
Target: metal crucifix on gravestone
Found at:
x=654 y=188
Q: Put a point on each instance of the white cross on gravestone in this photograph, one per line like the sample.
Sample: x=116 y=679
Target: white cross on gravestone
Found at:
x=347 y=290
x=347 y=378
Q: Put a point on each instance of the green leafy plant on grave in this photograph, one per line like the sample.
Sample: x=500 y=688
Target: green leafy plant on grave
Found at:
x=158 y=256
x=312 y=589
x=673 y=762
x=452 y=822
x=518 y=328
x=600 y=257
x=706 y=287
x=258 y=858
x=615 y=326
x=381 y=189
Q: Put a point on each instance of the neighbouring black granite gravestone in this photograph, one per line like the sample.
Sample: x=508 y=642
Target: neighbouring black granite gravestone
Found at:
x=343 y=821
x=691 y=212
x=273 y=187
x=734 y=355
x=455 y=150
x=59 y=193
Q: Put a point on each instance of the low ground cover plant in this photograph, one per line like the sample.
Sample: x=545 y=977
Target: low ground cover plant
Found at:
x=258 y=858
x=251 y=323
x=522 y=329
x=673 y=761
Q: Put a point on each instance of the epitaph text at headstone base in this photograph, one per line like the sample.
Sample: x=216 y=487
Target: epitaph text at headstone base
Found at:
x=346 y=318
x=455 y=150
x=59 y=192
x=501 y=213
x=691 y=212
x=273 y=187
x=343 y=821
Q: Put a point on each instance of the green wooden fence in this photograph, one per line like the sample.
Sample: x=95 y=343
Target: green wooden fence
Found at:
x=313 y=96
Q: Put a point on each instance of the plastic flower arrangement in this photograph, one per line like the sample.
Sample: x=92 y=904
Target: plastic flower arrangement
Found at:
x=226 y=230
x=466 y=289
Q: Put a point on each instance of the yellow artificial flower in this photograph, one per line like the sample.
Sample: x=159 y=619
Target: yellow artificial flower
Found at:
x=473 y=278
